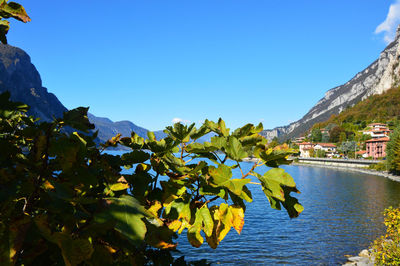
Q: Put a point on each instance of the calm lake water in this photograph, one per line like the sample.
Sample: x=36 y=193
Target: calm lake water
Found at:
x=342 y=215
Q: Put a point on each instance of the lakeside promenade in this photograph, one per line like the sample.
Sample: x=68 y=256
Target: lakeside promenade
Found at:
x=358 y=163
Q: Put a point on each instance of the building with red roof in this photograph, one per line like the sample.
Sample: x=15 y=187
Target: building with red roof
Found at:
x=305 y=148
x=377 y=130
x=376 y=148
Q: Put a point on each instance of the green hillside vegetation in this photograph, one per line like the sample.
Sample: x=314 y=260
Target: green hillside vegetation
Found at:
x=345 y=129
x=377 y=108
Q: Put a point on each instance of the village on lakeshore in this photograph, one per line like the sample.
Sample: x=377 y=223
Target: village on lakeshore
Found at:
x=369 y=143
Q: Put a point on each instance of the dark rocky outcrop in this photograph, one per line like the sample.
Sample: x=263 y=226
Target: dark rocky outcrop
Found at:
x=20 y=77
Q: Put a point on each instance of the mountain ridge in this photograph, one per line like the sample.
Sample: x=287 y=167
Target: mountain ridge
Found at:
x=378 y=77
x=21 y=78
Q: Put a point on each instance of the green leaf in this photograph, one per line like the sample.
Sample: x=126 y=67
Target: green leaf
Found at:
x=218 y=128
x=208 y=223
x=193 y=233
x=243 y=131
x=74 y=251
x=134 y=157
x=200 y=132
x=222 y=127
x=292 y=205
x=77 y=118
x=235 y=150
x=219 y=142
x=279 y=175
x=200 y=147
x=221 y=177
x=277 y=186
x=157 y=146
x=274 y=158
x=127 y=214
x=151 y=136
x=180 y=132
x=212 y=191
x=177 y=209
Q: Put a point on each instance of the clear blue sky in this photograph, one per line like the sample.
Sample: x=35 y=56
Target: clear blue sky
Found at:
x=152 y=61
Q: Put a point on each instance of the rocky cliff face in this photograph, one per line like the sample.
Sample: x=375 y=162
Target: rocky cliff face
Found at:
x=20 y=77
x=380 y=76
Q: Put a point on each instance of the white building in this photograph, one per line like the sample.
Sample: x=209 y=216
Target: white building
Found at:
x=329 y=148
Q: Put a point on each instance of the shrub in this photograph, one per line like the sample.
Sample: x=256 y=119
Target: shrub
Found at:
x=386 y=248
x=378 y=166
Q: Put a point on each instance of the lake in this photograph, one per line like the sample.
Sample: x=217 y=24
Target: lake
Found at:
x=342 y=215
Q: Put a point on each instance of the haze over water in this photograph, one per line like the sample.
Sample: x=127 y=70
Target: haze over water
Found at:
x=342 y=215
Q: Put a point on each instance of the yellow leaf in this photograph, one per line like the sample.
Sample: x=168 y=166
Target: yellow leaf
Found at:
x=110 y=249
x=164 y=245
x=237 y=218
x=184 y=225
x=48 y=186
x=225 y=221
x=175 y=225
x=119 y=186
x=154 y=208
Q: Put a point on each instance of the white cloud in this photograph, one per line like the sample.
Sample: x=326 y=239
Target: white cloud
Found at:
x=180 y=120
x=389 y=26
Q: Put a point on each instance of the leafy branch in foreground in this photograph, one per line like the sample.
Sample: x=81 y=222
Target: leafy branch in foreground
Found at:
x=63 y=199
x=10 y=10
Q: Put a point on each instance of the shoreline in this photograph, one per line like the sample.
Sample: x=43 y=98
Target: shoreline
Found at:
x=395 y=178
x=354 y=169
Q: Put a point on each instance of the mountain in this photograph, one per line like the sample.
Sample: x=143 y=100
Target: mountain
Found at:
x=20 y=77
x=377 y=78
x=108 y=129
x=381 y=108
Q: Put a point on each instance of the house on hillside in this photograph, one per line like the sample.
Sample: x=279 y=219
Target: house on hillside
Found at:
x=305 y=149
x=325 y=131
x=329 y=148
x=377 y=130
x=299 y=140
x=377 y=125
x=376 y=148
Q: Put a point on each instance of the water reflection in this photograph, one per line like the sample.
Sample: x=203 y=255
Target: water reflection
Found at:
x=343 y=214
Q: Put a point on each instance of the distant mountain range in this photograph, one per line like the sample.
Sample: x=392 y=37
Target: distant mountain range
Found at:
x=20 y=77
x=381 y=75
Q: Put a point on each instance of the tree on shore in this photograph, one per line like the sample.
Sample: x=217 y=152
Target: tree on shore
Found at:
x=393 y=152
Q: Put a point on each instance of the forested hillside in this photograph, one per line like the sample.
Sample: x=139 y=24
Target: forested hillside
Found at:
x=384 y=107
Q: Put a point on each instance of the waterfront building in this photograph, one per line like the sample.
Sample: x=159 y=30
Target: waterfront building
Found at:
x=305 y=149
x=376 y=148
x=329 y=148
